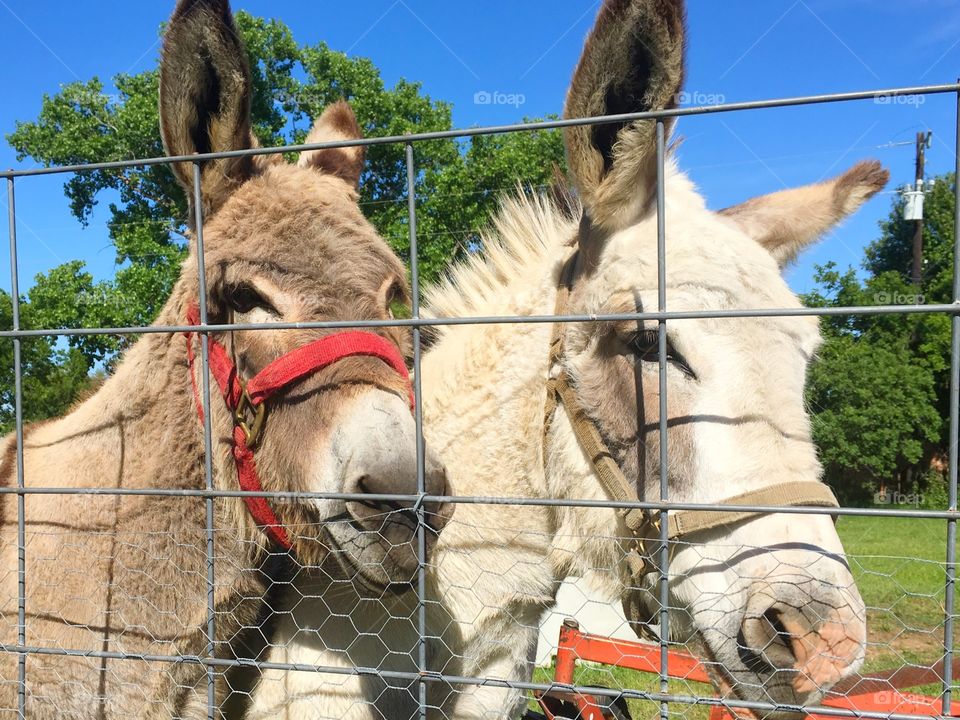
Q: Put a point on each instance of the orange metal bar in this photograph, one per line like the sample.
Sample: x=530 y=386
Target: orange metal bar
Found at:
x=902 y=677
x=889 y=701
x=878 y=692
x=643 y=657
x=567 y=652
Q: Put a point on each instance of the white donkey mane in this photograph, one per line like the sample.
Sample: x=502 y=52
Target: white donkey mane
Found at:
x=527 y=232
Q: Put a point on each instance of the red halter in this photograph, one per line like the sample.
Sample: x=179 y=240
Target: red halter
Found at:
x=248 y=399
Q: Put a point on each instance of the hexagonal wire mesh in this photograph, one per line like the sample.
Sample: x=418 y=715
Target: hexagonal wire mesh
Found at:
x=912 y=625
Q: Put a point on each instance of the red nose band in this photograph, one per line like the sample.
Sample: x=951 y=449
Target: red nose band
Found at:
x=246 y=401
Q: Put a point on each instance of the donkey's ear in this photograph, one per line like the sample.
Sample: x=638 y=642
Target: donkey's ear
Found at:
x=786 y=222
x=633 y=61
x=205 y=97
x=337 y=122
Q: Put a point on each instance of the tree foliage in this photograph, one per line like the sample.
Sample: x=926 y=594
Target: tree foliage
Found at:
x=879 y=391
x=52 y=376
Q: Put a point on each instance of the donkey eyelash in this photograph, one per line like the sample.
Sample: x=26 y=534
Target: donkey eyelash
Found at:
x=646 y=347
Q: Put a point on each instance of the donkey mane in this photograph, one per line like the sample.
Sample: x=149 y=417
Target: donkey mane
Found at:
x=527 y=230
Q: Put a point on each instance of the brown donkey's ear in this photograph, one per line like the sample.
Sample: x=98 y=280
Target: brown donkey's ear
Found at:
x=337 y=122
x=633 y=61
x=205 y=97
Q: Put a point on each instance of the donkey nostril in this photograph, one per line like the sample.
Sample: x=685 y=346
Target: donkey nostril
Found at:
x=780 y=639
x=377 y=514
x=372 y=485
x=789 y=637
x=362 y=484
x=766 y=643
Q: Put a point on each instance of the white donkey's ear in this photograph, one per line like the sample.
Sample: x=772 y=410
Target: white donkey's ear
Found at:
x=786 y=222
x=337 y=122
x=205 y=97
x=633 y=61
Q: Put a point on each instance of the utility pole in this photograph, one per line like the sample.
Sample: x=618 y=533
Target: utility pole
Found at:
x=923 y=142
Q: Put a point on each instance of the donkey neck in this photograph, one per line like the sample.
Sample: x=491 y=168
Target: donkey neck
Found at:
x=484 y=391
x=485 y=385
x=142 y=421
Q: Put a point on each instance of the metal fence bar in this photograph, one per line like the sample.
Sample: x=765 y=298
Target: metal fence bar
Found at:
x=490 y=500
x=460 y=133
x=207 y=443
x=951 y=568
x=653 y=316
x=418 y=420
x=663 y=555
x=18 y=420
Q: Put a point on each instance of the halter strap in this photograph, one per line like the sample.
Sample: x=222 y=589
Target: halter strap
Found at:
x=247 y=401
x=645 y=524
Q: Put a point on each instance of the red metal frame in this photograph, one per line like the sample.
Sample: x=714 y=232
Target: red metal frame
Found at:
x=877 y=692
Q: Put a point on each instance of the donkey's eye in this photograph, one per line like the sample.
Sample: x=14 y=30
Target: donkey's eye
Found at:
x=243 y=298
x=645 y=345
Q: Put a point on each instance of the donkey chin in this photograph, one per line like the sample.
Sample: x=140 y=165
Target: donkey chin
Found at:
x=779 y=625
x=382 y=558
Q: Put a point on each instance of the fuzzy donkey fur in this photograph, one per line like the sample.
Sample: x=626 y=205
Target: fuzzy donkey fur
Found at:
x=737 y=423
x=128 y=574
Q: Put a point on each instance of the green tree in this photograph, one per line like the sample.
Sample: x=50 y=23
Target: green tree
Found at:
x=457 y=182
x=873 y=402
x=891 y=255
x=52 y=376
x=879 y=391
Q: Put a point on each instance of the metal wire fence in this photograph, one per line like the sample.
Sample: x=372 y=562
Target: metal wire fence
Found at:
x=665 y=693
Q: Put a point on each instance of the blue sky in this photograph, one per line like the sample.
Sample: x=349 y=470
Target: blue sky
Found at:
x=738 y=50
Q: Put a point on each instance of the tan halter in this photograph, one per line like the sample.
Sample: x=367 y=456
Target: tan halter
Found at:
x=645 y=524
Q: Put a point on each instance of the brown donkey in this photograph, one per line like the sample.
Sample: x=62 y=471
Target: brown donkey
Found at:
x=126 y=575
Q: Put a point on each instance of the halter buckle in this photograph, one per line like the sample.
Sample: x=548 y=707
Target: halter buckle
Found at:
x=651 y=519
x=252 y=430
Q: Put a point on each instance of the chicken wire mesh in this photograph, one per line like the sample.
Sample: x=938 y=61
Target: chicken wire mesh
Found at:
x=323 y=639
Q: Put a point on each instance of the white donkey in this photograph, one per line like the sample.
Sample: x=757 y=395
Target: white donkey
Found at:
x=770 y=599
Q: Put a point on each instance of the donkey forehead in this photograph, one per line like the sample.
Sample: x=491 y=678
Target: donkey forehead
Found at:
x=709 y=266
x=301 y=222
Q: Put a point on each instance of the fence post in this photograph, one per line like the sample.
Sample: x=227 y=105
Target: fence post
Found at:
x=951 y=566
x=418 y=418
x=18 y=420
x=207 y=444
x=664 y=554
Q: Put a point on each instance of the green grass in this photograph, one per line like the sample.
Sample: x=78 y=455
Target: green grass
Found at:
x=898 y=564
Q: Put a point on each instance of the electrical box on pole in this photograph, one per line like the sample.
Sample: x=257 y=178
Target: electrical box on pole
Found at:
x=913 y=202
